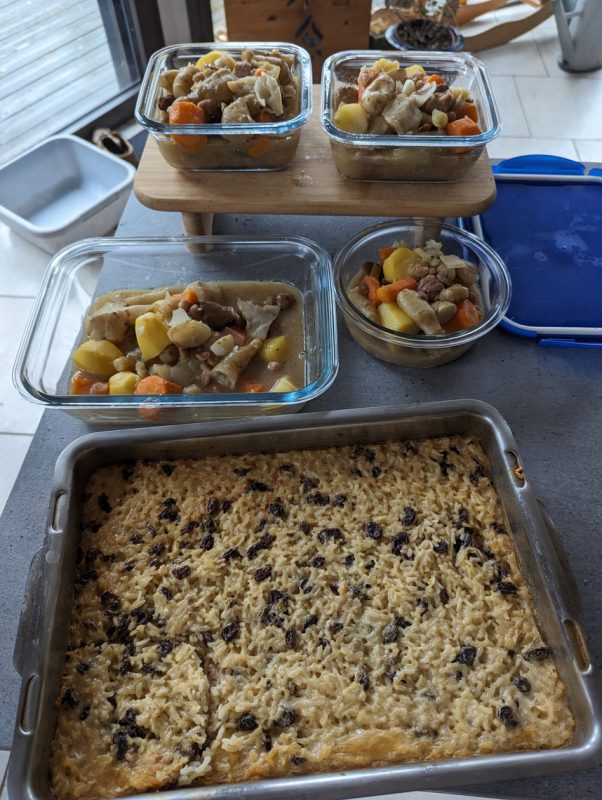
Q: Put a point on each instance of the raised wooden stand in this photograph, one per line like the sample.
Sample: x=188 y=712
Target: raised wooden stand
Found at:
x=310 y=185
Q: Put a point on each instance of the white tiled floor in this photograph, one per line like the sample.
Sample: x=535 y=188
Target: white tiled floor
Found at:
x=543 y=110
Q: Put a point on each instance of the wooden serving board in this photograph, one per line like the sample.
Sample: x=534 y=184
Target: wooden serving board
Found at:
x=310 y=185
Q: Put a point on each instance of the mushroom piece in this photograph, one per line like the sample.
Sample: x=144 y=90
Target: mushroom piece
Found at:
x=402 y=114
x=258 y=318
x=242 y=86
x=419 y=311
x=206 y=291
x=228 y=371
x=454 y=293
x=377 y=94
x=182 y=82
x=109 y=322
x=215 y=86
x=363 y=305
x=379 y=125
x=268 y=93
x=237 y=113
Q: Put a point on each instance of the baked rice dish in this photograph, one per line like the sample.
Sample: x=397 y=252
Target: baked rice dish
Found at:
x=261 y=615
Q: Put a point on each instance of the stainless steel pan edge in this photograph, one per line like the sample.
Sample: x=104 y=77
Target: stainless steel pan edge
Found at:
x=28 y=767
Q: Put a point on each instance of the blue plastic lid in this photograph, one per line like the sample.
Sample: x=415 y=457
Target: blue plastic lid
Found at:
x=547 y=228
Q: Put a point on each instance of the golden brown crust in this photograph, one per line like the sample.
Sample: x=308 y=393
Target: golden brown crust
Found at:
x=247 y=617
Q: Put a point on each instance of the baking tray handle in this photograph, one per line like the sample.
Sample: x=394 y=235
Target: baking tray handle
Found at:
x=27 y=632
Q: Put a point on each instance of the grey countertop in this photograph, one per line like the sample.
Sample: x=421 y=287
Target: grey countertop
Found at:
x=550 y=397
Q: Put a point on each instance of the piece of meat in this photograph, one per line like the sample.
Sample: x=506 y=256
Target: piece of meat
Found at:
x=402 y=114
x=229 y=369
x=214 y=314
x=258 y=318
x=346 y=93
x=242 y=69
x=215 y=86
x=429 y=287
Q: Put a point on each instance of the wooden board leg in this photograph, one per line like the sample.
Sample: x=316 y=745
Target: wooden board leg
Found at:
x=198 y=225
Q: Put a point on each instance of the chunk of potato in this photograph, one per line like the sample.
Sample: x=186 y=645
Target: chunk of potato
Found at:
x=192 y=333
x=274 y=349
x=396 y=265
x=209 y=58
x=123 y=383
x=97 y=356
x=351 y=117
x=151 y=335
x=284 y=384
x=415 y=69
x=393 y=318
x=439 y=118
x=385 y=65
x=460 y=93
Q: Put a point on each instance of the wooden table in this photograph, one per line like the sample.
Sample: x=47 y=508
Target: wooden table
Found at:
x=310 y=185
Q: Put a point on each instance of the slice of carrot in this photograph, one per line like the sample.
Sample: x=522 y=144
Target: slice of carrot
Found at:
x=154 y=384
x=186 y=113
x=259 y=146
x=249 y=387
x=435 y=79
x=389 y=292
x=385 y=252
x=372 y=286
x=463 y=127
x=466 y=316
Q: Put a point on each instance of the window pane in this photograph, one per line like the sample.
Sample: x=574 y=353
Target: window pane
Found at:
x=59 y=60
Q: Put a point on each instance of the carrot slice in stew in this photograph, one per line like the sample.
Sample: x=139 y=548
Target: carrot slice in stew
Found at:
x=154 y=384
x=372 y=286
x=250 y=387
x=463 y=127
x=186 y=113
x=466 y=316
x=82 y=382
x=385 y=252
x=188 y=295
x=471 y=111
x=389 y=292
x=265 y=116
x=435 y=79
x=259 y=146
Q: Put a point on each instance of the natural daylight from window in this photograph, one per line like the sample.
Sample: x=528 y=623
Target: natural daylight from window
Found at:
x=56 y=65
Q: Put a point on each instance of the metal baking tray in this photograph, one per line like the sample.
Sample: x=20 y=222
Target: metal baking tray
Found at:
x=39 y=652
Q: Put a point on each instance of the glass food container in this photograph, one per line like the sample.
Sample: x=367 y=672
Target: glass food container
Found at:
x=416 y=158
x=420 y=350
x=74 y=278
x=255 y=146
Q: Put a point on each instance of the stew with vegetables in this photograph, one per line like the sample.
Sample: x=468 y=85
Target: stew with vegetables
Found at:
x=221 y=88
x=381 y=108
x=205 y=338
x=389 y=99
x=418 y=290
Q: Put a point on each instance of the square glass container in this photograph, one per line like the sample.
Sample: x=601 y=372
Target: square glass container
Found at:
x=415 y=158
x=83 y=271
x=227 y=146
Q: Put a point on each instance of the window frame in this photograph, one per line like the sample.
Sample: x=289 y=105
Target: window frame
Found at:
x=138 y=23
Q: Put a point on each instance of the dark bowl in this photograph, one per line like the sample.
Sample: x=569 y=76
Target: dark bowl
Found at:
x=419 y=34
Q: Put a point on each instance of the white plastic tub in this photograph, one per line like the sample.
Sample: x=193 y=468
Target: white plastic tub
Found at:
x=63 y=190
